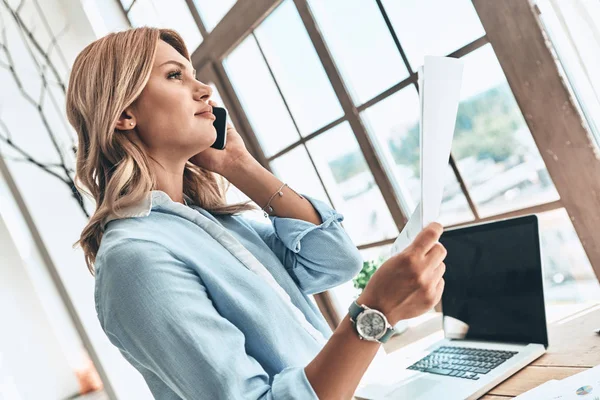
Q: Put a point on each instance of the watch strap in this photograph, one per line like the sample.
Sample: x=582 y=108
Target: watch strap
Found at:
x=354 y=310
x=388 y=334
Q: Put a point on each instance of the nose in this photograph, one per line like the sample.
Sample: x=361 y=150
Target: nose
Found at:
x=202 y=92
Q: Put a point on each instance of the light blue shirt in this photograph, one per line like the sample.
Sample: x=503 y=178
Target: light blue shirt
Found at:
x=175 y=295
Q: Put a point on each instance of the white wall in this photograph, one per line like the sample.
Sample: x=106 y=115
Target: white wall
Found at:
x=32 y=363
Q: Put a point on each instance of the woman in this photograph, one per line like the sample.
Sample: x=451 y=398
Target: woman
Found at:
x=203 y=302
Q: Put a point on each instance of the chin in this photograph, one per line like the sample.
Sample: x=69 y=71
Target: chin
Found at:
x=199 y=147
x=202 y=139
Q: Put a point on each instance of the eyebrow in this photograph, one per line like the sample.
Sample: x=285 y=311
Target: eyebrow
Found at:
x=178 y=64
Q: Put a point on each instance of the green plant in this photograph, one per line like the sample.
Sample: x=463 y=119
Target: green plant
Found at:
x=362 y=278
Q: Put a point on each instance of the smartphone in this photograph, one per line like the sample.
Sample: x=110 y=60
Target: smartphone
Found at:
x=220 y=125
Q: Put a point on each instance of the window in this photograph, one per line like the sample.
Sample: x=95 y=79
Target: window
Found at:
x=126 y=4
x=295 y=168
x=394 y=123
x=496 y=167
x=351 y=185
x=173 y=14
x=216 y=96
x=493 y=146
x=260 y=97
x=568 y=276
x=297 y=70
x=433 y=27
x=367 y=58
x=281 y=82
x=212 y=12
x=573 y=30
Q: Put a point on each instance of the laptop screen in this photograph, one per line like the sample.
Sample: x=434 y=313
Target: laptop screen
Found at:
x=494 y=289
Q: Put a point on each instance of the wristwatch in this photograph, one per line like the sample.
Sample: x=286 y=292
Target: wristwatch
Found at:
x=370 y=324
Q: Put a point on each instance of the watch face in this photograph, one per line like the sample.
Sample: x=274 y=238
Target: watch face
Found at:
x=370 y=324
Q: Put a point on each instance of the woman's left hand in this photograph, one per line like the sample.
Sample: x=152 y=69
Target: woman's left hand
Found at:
x=222 y=161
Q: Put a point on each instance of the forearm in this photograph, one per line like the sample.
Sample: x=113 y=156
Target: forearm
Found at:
x=338 y=368
x=259 y=184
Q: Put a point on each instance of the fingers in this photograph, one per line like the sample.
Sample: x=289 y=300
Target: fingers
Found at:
x=438 y=273
x=435 y=285
x=435 y=279
x=427 y=238
x=213 y=103
x=437 y=254
x=439 y=290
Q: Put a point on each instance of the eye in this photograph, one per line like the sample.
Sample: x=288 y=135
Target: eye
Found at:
x=174 y=74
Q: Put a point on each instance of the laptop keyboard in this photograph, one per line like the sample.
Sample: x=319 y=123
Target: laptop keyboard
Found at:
x=461 y=362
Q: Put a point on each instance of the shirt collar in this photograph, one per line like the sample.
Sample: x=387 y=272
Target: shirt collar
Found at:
x=153 y=199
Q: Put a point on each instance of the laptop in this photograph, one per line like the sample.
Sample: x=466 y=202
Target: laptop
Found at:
x=493 y=313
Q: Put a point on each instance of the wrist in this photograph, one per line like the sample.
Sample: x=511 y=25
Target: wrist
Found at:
x=370 y=324
x=242 y=163
x=369 y=301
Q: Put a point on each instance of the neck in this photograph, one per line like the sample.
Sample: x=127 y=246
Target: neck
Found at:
x=169 y=179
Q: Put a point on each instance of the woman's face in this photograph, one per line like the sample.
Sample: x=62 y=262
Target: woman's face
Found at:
x=172 y=116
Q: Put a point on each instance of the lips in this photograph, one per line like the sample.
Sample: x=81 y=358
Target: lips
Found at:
x=205 y=111
x=206 y=114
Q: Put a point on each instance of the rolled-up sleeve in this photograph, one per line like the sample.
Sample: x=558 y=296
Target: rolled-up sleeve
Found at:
x=318 y=257
x=158 y=312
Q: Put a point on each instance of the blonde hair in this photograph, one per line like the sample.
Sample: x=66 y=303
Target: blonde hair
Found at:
x=107 y=77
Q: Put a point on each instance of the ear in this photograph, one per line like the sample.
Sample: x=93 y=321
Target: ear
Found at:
x=126 y=121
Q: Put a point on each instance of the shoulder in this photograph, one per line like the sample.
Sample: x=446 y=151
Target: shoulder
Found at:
x=133 y=248
x=130 y=272
x=128 y=263
x=126 y=239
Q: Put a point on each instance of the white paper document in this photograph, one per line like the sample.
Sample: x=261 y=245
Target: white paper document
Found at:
x=439 y=94
x=539 y=392
x=582 y=386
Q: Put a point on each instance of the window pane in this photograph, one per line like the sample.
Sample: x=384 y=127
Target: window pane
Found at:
x=572 y=26
x=126 y=4
x=351 y=185
x=394 y=124
x=297 y=69
x=361 y=44
x=212 y=12
x=568 y=275
x=493 y=147
x=216 y=96
x=433 y=27
x=455 y=208
x=295 y=169
x=259 y=97
x=173 y=15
